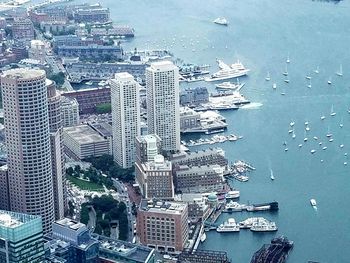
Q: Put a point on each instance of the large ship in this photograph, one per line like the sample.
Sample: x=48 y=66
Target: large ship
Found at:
x=263 y=225
x=228 y=226
x=232 y=194
x=235 y=70
x=262 y=207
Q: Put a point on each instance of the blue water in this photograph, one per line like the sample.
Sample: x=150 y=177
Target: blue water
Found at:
x=261 y=34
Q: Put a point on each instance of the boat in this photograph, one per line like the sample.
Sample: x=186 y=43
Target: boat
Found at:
x=228 y=226
x=313 y=151
x=102 y=83
x=271 y=175
x=308 y=77
x=340 y=72
x=300 y=145
x=293 y=135
x=286 y=80
x=288 y=60
x=307 y=128
x=309 y=86
x=306 y=123
x=263 y=225
x=268 y=78
x=285 y=73
x=332 y=111
x=328 y=133
x=249 y=222
x=234 y=207
x=286 y=149
x=263 y=207
x=324 y=148
x=203 y=237
x=331 y=139
x=317 y=70
x=323 y=117
x=274 y=85
x=290 y=131
x=221 y=21
x=291 y=123
x=341 y=145
x=316 y=138
x=89 y=83
x=228 y=72
x=229 y=85
x=345 y=163
x=313 y=202
x=232 y=194
x=329 y=82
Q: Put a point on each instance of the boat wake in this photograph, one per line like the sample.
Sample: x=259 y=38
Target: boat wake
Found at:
x=252 y=106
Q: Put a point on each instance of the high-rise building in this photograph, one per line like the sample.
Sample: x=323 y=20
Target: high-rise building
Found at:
x=155 y=178
x=125 y=118
x=70 y=111
x=21 y=238
x=163 y=225
x=26 y=120
x=163 y=115
x=147 y=147
x=56 y=141
x=4 y=188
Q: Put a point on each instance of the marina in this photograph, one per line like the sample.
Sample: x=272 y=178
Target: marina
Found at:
x=213 y=140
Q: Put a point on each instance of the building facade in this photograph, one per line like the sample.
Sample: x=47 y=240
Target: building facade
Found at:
x=155 y=179
x=25 y=102
x=125 y=118
x=70 y=111
x=4 y=188
x=163 y=225
x=21 y=238
x=23 y=29
x=163 y=116
x=57 y=156
x=147 y=147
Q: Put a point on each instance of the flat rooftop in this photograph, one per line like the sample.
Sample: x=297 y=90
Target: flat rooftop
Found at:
x=69 y=223
x=12 y=219
x=162 y=207
x=84 y=134
x=23 y=73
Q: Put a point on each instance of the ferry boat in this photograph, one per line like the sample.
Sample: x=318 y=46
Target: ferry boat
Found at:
x=221 y=21
x=232 y=194
x=249 y=222
x=263 y=225
x=229 y=85
x=228 y=72
x=228 y=226
x=203 y=237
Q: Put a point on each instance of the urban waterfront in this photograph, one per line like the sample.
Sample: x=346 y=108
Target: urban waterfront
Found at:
x=261 y=34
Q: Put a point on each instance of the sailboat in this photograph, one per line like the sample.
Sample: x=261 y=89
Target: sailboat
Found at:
x=308 y=77
x=285 y=73
x=332 y=111
x=309 y=86
x=288 y=60
x=268 y=76
x=317 y=70
x=341 y=123
x=286 y=80
x=305 y=139
x=274 y=85
x=271 y=175
x=340 y=72
x=329 y=134
x=329 y=81
x=293 y=135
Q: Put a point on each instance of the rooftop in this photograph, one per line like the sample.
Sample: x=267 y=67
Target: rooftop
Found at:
x=69 y=223
x=23 y=73
x=162 y=206
x=12 y=219
x=148 y=138
x=83 y=134
x=162 y=65
x=132 y=252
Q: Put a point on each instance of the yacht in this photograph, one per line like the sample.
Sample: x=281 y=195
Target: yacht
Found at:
x=221 y=21
x=263 y=225
x=203 y=237
x=340 y=72
x=229 y=85
x=313 y=202
x=228 y=226
x=268 y=78
x=249 y=222
x=228 y=72
x=232 y=194
x=234 y=207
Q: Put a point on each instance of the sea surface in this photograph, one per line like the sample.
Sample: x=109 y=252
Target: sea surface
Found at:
x=261 y=34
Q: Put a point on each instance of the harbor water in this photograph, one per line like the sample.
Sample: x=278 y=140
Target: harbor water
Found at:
x=261 y=34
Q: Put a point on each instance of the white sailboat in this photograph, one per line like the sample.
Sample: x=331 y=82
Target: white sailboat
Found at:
x=340 y=72
x=288 y=60
x=308 y=77
x=317 y=70
x=286 y=80
x=293 y=134
x=332 y=111
x=268 y=78
x=329 y=82
x=274 y=85
x=285 y=73
x=341 y=123
x=309 y=86
x=271 y=175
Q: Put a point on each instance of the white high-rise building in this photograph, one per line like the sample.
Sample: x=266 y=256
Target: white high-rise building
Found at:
x=26 y=120
x=163 y=109
x=125 y=118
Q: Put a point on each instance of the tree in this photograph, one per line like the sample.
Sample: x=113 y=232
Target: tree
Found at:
x=98 y=230
x=77 y=169
x=104 y=108
x=70 y=171
x=84 y=214
x=59 y=78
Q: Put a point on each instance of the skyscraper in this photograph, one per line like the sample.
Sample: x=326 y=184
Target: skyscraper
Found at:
x=125 y=118
x=163 y=116
x=21 y=238
x=26 y=120
x=57 y=158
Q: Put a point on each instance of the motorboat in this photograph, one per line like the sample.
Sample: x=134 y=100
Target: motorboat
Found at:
x=340 y=72
x=230 y=85
x=263 y=225
x=324 y=148
x=228 y=226
x=221 y=21
x=317 y=70
x=234 y=207
x=291 y=123
x=274 y=85
x=232 y=194
x=313 y=202
x=268 y=78
x=313 y=151
x=271 y=175
x=203 y=237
